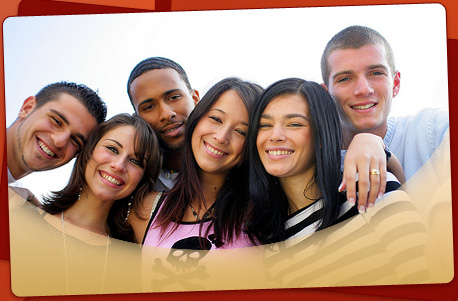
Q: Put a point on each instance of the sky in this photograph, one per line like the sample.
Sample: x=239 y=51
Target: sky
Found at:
x=259 y=45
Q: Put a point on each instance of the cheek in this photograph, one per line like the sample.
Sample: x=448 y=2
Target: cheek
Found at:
x=260 y=142
x=150 y=119
x=136 y=176
x=238 y=149
x=195 y=139
x=90 y=168
x=183 y=107
x=71 y=151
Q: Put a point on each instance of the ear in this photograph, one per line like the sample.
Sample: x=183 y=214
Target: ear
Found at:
x=325 y=87
x=396 y=83
x=27 y=107
x=195 y=96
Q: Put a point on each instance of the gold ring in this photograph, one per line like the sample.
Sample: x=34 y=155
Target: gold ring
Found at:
x=375 y=171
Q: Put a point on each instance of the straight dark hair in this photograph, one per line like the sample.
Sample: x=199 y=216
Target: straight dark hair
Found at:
x=268 y=203
x=146 y=147
x=231 y=202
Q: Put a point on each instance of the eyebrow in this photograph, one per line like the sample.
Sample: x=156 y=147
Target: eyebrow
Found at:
x=65 y=120
x=371 y=67
x=112 y=140
x=287 y=116
x=219 y=110
x=166 y=93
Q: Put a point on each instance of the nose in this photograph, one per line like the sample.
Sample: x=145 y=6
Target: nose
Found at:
x=363 y=87
x=166 y=113
x=222 y=136
x=119 y=164
x=277 y=134
x=61 y=138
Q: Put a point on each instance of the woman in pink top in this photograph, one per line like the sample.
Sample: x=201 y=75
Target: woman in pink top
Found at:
x=206 y=207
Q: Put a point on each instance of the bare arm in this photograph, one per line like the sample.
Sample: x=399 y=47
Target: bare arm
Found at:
x=139 y=220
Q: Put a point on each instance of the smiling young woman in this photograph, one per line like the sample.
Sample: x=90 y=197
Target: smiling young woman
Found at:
x=209 y=199
x=295 y=163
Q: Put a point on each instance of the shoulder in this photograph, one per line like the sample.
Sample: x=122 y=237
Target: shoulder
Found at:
x=146 y=206
x=435 y=117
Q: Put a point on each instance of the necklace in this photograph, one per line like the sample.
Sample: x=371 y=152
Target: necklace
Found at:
x=207 y=213
x=66 y=257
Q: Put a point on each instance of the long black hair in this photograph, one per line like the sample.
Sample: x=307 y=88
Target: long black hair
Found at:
x=231 y=202
x=268 y=203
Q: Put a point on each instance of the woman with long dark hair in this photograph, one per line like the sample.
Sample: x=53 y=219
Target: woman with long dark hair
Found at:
x=209 y=199
x=295 y=162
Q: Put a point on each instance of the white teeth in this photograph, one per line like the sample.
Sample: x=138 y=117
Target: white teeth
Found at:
x=280 y=152
x=110 y=179
x=364 y=107
x=217 y=152
x=45 y=149
x=171 y=130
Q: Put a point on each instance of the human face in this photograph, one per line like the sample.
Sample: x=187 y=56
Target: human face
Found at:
x=52 y=134
x=162 y=98
x=218 y=139
x=363 y=84
x=114 y=171
x=285 y=137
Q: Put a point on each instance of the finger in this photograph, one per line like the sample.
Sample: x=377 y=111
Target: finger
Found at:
x=363 y=188
x=343 y=185
x=349 y=183
x=374 y=175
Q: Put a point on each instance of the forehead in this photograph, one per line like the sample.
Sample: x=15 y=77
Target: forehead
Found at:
x=287 y=104
x=156 y=82
x=123 y=134
x=231 y=103
x=355 y=59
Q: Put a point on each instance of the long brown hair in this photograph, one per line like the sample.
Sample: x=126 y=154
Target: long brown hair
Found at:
x=146 y=147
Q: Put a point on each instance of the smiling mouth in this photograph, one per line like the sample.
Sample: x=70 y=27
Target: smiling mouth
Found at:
x=280 y=152
x=111 y=179
x=363 y=107
x=214 y=151
x=173 y=127
x=45 y=149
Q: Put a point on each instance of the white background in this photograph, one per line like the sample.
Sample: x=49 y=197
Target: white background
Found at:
x=257 y=45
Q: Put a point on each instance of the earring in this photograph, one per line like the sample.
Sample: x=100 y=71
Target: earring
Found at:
x=79 y=193
x=128 y=208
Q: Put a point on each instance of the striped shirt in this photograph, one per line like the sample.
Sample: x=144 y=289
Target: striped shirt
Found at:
x=383 y=246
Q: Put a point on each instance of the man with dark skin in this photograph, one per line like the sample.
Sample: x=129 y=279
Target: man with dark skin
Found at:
x=160 y=93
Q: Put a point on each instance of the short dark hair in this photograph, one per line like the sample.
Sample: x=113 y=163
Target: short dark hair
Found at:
x=88 y=97
x=146 y=147
x=269 y=205
x=354 y=37
x=154 y=63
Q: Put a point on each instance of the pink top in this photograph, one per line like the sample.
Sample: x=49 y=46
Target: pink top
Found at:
x=186 y=236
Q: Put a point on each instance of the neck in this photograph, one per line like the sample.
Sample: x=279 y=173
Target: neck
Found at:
x=294 y=190
x=89 y=214
x=12 y=152
x=171 y=160
x=349 y=132
x=211 y=185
